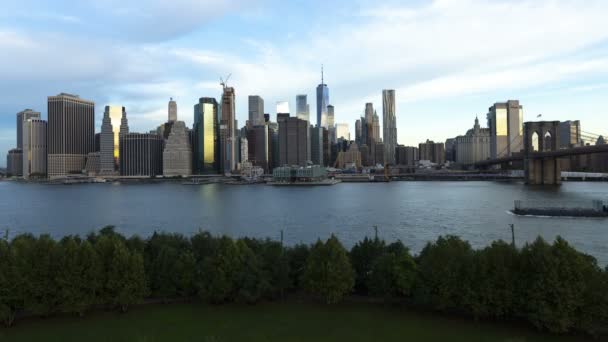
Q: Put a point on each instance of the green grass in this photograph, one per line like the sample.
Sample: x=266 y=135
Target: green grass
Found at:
x=266 y=322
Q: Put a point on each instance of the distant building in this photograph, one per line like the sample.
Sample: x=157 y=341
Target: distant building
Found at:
x=474 y=146
x=316 y=143
x=93 y=164
x=349 y=159
x=299 y=174
x=177 y=156
x=293 y=140
x=570 y=134
x=433 y=152
x=283 y=107
x=14 y=162
x=141 y=154
x=379 y=153
x=358 y=139
x=406 y=155
x=331 y=124
x=506 y=122
x=205 y=137
x=450 y=150
x=302 y=108
x=389 y=122
x=342 y=131
x=172 y=111
x=365 y=154
x=109 y=139
x=256 y=110
x=71 y=134
x=23 y=116
x=228 y=124
x=34 y=148
x=244 y=149
x=322 y=102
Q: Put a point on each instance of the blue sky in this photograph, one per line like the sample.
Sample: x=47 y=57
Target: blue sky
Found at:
x=448 y=60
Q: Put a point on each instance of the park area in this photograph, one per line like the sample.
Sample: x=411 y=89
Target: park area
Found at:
x=279 y=321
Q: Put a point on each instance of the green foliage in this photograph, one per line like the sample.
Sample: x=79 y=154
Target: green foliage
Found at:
x=363 y=256
x=39 y=263
x=445 y=277
x=11 y=284
x=393 y=275
x=328 y=272
x=219 y=272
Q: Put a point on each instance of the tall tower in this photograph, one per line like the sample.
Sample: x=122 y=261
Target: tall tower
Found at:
x=34 y=147
x=256 y=110
x=302 y=108
x=227 y=126
x=71 y=133
x=389 y=125
x=172 y=110
x=322 y=102
x=106 y=144
x=22 y=117
x=205 y=147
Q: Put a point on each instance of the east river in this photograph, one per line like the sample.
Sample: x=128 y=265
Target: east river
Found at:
x=414 y=212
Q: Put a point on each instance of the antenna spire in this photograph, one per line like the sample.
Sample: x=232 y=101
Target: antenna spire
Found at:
x=322 y=74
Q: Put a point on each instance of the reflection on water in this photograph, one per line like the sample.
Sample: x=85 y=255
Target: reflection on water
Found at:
x=414 y=212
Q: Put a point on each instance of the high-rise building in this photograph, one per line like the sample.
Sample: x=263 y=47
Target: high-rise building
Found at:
x=389 y=125
x=23 y=116
x=109 y=139
x=506 y=123
x=34 y=148
x=14 y=162
x=316 y=145
x=406 y=155
x=177 y=156
x=376 y=128
x=71 y=134
x=244 y=149
x=474 y=146
x=141 y=154
x=349 y=159
x=331 y=124
x=205 y=147
x=227 y=123
x=322 y=102
x=283 y=107
x=433 y=152
x=172 y=111
x=343 y=132
x=293 y=140
x=570 y=134
x=302 y=108
x=358 y=139
x=256 y=110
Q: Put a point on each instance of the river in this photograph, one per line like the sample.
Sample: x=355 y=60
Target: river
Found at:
x=414 y=212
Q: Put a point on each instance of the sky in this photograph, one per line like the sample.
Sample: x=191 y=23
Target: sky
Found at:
x=448 y=60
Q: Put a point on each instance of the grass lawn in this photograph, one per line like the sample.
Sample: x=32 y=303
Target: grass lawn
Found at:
x=266 y=322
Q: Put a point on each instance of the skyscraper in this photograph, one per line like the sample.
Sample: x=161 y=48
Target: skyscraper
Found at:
x=283 y=107
x=71 y=133
x=342 y=131
x=331 y=124
x=302 y=108
x=389 y=125
x=322 y=102
x=256 y=110
x=141 y=154
x=205 y=147
x=506 y=123
x=228 y=139
x=358 y=138
x=177 y=156
x=109 y=139
x=172 y=111
x=293 y=140
x=316 y=145
x=34 y=148
x=23 y=116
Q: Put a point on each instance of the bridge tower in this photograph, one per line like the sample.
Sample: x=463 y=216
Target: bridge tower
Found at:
x=539 y=137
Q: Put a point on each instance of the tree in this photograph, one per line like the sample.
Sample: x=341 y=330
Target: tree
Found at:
x=363 y=256
x=219 y=271
x=296 y=259
x=445 y=274
x=78 y=276
x=328 y=272
x=126 y=277
x=11 y=284
x=393 y=275
x=250 y=280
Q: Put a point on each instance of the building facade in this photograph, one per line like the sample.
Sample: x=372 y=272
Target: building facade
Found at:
x=506 y=123
x=177 y=155
x=316 y=145
x=293 y=140
x=389 y=125
x=14 y=162
x=172 y=111
x=570 y=134
x=256 y=110
x=322 y=103
x=71 y=134
x=23 y=116
x=432 y=151
x=302 y=108
x=474 y=146
x=109 y=139
x=342 y=131
x=406 y=155
x=141 y=155
x=227 y=123
x=206 y=147
x=34 y=148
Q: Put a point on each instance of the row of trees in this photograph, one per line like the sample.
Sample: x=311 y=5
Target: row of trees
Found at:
x=552 y=286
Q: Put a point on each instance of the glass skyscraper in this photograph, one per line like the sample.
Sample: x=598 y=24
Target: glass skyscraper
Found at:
x=322 y=102
x=206 y=147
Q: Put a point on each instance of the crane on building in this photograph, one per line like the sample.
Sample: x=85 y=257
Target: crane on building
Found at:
x=225 y=83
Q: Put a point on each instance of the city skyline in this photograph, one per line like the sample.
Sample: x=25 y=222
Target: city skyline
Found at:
x=557 y=72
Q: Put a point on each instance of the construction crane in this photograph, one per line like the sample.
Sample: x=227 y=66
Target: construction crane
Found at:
x=225 y=83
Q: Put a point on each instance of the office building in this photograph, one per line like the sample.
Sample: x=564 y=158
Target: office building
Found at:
x=389 y=125
x=71 y=134
x=23 y=116
x=244 y=150
x=141 y=155
x=177 y=155
x=172 y=111
x=406 y=155
x=14 y=162
x=109 y=139
x=379 y=153
x=433 y=152
x=93 y=165
x=331 y=125
x=34 y=148
x=302 y=108
x=228 y=125
x=205 y=147
x=474 y=146
x=358 y=139
x=570 y=134
x=349 y=159
x=316 y=147
x=293 y=140
x=322 y=102
x=342 y=132
x=506 y=123
x=256 y=110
